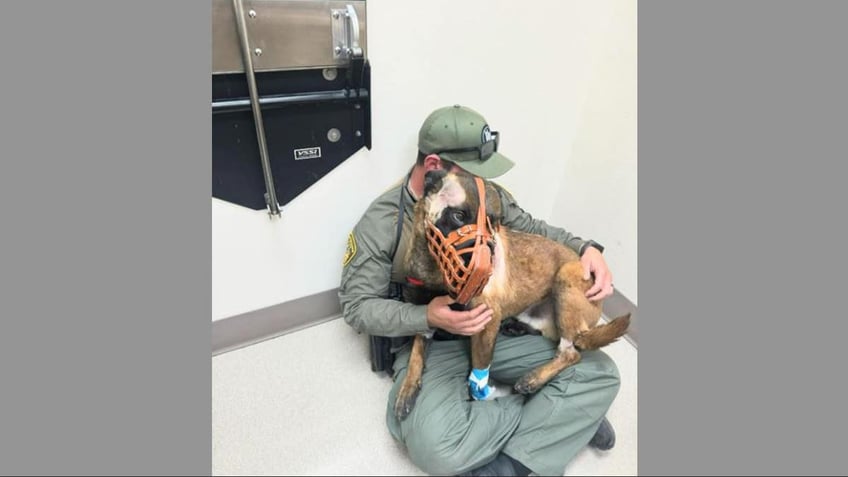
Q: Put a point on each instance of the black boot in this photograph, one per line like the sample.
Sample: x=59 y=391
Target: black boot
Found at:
x=604 y=438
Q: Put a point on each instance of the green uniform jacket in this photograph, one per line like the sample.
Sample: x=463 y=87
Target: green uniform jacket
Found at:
x=368 y=263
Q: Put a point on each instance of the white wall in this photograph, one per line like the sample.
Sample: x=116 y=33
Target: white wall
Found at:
x=549 y=75
x=597 y=194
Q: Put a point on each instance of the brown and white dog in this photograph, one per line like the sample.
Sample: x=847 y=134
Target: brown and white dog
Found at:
x=460 y=248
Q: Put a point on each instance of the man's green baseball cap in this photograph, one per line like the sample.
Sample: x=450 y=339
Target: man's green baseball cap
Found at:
x=461 y=135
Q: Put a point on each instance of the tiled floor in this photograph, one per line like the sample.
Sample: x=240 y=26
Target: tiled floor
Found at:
x=307 y=403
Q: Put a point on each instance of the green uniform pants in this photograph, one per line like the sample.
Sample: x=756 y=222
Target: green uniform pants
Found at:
x=447 y=434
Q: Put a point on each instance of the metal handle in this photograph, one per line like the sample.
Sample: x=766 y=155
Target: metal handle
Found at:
x=353 y=32
x=346 y=33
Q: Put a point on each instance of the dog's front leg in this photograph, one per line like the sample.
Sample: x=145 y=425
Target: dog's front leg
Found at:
x=412 y=383
x=482 y=350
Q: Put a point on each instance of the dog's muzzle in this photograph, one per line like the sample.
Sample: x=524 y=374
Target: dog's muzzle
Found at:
x=465 y=279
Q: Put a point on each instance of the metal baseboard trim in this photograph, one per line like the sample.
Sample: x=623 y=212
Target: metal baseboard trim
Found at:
x=253 y=327
x=617 y=305
x=249 y=328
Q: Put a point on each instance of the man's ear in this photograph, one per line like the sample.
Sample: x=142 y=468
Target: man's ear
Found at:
x=433 y=180
x=432 y=162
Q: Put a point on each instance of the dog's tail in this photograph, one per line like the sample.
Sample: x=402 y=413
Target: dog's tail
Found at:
x=603 y=335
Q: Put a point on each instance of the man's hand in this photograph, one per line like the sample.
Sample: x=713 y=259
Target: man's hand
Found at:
x=593 y=262
x=467 y=323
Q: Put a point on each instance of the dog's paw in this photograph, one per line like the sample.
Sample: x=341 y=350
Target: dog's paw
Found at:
x=529 y=384
x=405 y=401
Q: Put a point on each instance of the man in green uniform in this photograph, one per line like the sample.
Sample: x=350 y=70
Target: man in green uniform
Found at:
x=447 y=433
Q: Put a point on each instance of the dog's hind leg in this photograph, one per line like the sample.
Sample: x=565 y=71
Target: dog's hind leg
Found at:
x=577 y=316
x=574 y=314
x=534 y=380
x=412 y=383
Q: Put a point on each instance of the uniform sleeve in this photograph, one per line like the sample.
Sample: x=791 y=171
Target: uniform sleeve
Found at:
x=365 y=287
x=515 y=217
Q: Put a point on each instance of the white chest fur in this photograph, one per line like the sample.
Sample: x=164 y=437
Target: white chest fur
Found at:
x=498 y=280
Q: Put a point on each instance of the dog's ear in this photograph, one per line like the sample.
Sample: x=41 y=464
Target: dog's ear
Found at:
x=493 y=204
x=433 y=180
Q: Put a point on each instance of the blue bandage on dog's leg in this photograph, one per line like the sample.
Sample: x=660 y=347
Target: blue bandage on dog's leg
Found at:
x=478 y=381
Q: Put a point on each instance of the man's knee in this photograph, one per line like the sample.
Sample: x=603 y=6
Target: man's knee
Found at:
x=432 y=435
x=437 y=451
x=457 y=435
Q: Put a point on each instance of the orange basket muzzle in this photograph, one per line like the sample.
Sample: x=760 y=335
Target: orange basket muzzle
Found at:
x=464 y=282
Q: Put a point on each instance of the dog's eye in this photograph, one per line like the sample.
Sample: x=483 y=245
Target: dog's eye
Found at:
x=458 y=215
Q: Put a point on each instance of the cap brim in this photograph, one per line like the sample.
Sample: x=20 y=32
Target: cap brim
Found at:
x=496 y=165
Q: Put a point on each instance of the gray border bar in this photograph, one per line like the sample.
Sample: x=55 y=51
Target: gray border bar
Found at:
x=105 y=252
x=742 y=129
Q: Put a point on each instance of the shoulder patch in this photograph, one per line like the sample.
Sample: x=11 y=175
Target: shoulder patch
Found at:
x=350 y=252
